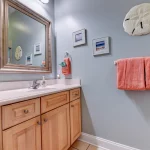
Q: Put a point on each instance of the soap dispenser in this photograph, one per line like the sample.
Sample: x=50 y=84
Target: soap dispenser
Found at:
x=43 y=82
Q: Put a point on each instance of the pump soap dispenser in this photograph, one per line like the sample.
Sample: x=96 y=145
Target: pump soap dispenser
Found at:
x=43 y=82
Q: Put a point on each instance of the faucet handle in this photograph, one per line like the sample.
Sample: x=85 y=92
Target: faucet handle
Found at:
x=35 y=81
x=35 y=84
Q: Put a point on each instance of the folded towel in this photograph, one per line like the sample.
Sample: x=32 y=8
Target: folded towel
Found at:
x=67 y=69
x=147 y=72
x=135 y=74
x=121 y=73
x=131 y=74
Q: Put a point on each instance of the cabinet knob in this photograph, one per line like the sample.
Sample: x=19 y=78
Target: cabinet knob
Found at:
x=72 y=105
x=26 y=111
x=39 y=123
x=45 y=120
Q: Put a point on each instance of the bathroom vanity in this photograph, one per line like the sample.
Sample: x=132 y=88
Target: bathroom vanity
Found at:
x=47 y=118
x=48 y=122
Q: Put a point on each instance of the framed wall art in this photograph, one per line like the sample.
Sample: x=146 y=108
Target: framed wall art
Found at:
x=79 y=37
x=37 y=49
x=29 y=59
x=101 y=46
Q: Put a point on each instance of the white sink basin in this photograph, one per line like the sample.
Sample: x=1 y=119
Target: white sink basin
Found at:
x=41 y=89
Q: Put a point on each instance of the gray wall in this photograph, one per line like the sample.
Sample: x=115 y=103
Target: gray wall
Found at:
x=47 y=10
x=25 y=32
x=119 y=116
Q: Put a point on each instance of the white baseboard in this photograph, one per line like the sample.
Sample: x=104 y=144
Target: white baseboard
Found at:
x=103 y=143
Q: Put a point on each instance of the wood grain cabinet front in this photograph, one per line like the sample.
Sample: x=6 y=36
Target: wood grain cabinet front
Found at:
x=74 y=94
x=16 y=113
x=51 y=122
x=75 y=119
x=25 y=136
x=53 y=101
x=56 y=129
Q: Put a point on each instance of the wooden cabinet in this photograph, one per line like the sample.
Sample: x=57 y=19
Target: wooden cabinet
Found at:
x=19 y=112
x=51 y=122
x=26 y=136
x=53 y=101
x=1 y=138
x=74 y=94
x=56 y=129
x=75 y=120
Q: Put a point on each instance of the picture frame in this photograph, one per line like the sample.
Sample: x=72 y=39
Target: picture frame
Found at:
x=79 y=37
x=37 y=49
x=29 y=59
x=101 y=46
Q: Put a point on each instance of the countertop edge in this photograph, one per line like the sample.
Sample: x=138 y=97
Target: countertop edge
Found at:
x=25 y=98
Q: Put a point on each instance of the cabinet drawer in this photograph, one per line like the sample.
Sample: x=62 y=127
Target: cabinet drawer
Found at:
x=53 y=101
x=74 y=94
x=19 y=112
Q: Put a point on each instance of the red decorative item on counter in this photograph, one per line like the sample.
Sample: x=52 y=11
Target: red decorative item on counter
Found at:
x=67 y=69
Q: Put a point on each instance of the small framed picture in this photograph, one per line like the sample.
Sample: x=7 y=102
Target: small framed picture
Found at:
x=29 y=60
x=79 y=37
x=101 y=46
x=37 y=49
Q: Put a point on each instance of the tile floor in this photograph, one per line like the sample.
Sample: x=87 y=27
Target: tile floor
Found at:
x=79 y=145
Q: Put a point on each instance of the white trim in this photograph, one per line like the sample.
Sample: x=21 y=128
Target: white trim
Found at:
x=103 y=143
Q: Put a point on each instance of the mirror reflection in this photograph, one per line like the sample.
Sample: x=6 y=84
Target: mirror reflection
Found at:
x=26 y=39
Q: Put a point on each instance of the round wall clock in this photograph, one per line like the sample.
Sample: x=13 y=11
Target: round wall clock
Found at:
x=18 y=53
x=137 y=20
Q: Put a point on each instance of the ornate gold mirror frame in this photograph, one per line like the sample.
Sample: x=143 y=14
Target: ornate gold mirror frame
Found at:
x=4 y=66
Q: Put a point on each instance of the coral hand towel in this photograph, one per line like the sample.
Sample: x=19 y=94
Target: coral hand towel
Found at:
x=121 y=73
x=147 y=72
x=67 y=69
x=131 y=74
x=135 y=74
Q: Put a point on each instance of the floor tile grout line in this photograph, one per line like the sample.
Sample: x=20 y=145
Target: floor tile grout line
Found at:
x=75 y=148
x=78 y=149
x=88 y=147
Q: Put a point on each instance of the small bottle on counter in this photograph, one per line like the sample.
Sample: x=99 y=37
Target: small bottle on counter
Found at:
x=43 y=83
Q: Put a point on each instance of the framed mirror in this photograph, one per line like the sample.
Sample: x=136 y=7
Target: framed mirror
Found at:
x=24 y=40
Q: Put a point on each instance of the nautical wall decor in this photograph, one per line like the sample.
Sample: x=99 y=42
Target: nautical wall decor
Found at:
x=137 y=20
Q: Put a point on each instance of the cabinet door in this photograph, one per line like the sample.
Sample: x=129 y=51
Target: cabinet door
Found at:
x=56 y=129
x=26 y=136
x=75 y=118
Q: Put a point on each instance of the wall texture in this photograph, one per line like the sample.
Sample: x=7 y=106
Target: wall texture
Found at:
x=119 y=116
x=47 y=10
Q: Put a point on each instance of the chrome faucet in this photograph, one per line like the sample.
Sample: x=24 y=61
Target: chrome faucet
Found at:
x=35 y=85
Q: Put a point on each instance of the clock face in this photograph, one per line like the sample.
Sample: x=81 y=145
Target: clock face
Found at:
x=18 y=53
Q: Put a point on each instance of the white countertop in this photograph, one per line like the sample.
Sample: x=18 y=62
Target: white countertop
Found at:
x=13 y=96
